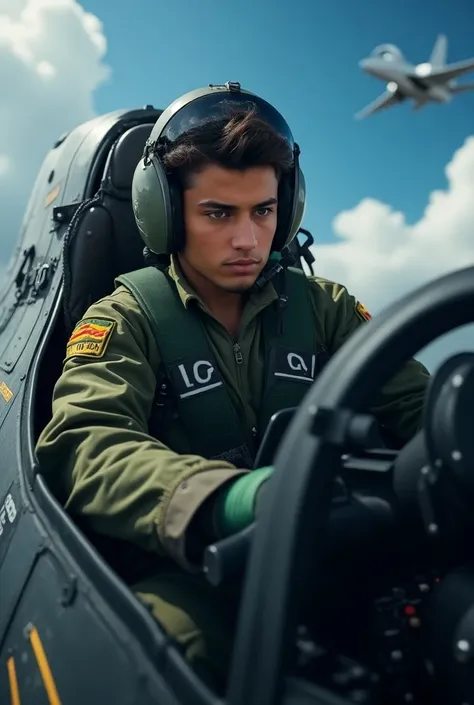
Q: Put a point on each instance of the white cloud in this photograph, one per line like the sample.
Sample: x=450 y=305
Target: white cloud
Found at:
x=380 y=257
x=51 y=62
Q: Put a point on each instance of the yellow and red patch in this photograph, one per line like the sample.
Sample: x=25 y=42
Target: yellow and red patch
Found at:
x=6 y=392
x=90 y=337
x=362 y=312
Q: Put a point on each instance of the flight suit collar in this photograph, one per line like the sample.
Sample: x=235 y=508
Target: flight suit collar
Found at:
x=257 y=300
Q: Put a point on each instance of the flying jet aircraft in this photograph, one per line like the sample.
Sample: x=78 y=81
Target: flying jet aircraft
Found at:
x=433 y=81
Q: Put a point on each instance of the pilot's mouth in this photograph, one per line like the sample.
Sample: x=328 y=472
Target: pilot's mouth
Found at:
x=244 y=260
x=243 y=266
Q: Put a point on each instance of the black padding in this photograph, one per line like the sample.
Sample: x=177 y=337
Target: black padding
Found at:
x=124 y=157
x=103 y=240
x=128 y=244
x=90 y=262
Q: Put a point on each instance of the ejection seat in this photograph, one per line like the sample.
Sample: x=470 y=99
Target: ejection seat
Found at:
x=103 y=241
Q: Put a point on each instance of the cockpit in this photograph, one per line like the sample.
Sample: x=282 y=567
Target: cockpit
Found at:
x=387 y=52
x=365 y=602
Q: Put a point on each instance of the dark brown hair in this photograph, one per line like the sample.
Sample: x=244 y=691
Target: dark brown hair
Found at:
x=239 y=142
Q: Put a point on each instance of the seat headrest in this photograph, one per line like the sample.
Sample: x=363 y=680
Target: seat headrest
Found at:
x=124 y=157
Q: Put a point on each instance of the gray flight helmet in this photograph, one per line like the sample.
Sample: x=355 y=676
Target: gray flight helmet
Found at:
x=156 y=203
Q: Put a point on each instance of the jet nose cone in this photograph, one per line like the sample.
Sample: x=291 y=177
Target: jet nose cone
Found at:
x=370 y=66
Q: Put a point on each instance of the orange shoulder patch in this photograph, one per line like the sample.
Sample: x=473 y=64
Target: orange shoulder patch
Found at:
x=90 y=337
x=362 y=312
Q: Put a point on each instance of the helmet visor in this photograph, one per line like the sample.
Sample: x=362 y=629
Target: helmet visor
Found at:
x=221 y=105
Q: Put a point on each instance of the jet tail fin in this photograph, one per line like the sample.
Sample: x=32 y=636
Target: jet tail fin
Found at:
x=440 y=51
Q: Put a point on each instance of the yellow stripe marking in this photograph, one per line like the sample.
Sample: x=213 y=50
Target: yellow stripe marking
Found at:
x=43 y=665
x=14 y=690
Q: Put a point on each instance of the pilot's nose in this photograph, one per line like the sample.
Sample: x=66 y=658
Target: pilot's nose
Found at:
x=245 y=235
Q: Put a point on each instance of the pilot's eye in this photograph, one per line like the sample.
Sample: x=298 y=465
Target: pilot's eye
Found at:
x=263 y=211
x=217 y=215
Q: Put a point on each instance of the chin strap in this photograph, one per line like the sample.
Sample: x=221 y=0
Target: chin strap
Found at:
x=287 y=259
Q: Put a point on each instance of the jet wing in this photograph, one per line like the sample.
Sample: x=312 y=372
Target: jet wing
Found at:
x=446 y=73
x=386 y=100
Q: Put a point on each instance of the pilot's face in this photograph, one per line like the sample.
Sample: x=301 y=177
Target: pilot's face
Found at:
x=230 y=219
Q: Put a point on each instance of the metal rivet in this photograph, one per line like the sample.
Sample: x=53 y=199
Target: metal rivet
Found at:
x=463 y=650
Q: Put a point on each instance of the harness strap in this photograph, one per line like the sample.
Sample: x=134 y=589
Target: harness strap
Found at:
x=293 y=357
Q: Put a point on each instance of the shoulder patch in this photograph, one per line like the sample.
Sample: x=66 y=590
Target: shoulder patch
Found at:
x=90 y=337
x=362 y=312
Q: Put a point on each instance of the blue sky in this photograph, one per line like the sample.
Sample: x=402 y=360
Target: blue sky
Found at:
x=302 y=56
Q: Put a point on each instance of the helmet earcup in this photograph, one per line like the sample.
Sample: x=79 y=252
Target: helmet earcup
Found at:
x=152 y=206
x=298 y=206
x=291 y=207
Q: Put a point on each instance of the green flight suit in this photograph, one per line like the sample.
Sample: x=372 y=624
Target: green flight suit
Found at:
x=133 y=492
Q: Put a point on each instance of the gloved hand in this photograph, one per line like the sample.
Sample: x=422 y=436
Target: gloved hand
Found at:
x=236 y=505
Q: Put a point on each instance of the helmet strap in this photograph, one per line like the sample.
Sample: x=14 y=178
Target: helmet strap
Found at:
x=287 y=259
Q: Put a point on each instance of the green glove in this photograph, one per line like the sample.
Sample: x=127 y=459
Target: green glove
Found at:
x=235 y=505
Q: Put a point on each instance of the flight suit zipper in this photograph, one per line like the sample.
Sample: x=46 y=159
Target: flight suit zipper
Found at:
x=239 y=358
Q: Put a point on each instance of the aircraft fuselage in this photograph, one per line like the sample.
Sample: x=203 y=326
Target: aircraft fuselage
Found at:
x=409 y=86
